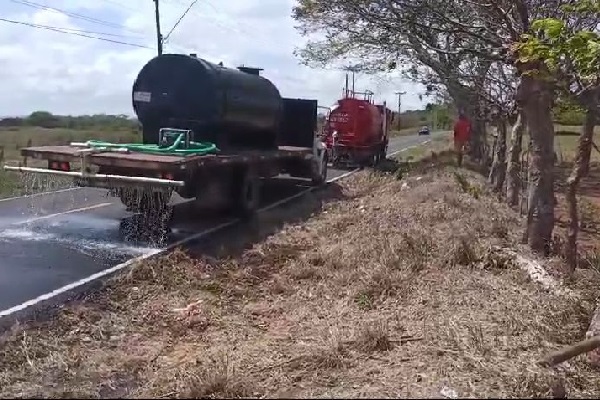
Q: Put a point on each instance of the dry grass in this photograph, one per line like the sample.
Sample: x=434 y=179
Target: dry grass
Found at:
x=12 y=140
x=393 y=292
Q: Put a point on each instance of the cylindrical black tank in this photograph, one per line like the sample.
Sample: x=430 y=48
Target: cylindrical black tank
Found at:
x=233 y=108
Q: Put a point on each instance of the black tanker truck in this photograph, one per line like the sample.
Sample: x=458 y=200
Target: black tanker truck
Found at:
x=210 y=133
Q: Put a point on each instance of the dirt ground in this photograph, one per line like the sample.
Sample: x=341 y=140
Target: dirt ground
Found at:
x=380 y=287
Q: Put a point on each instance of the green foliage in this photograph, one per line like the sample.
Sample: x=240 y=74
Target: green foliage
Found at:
x=566 y=112
x=44 y=119
x=438 y=115
x=566 y=52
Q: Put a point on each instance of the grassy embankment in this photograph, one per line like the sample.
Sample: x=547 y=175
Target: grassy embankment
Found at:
x=388 y=284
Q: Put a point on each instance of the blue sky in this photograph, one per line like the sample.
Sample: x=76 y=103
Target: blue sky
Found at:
x=68 y=74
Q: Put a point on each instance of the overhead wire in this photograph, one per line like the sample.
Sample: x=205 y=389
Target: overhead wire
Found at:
x=180 y=19
x=75 y=33
x=116 y=3
x=74 y=15
x=246 y=35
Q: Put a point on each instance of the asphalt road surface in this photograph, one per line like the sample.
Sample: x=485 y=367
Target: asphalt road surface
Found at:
x=54 y=239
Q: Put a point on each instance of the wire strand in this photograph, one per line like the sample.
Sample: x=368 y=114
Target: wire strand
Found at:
x=72 y=15
x=61 y=30
x=180 y=19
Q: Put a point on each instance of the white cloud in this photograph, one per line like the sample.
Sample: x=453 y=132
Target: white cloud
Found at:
x=68 y=74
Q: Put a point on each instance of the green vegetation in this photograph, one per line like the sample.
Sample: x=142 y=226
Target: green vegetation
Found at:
x=14 y=139
x=44 y=129
x=568 y=113
x=44 y=119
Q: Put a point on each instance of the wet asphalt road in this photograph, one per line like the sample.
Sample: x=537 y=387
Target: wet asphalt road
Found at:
x=51 y=240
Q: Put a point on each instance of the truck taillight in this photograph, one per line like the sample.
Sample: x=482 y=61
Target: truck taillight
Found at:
x=169 y=176
x=59 y=166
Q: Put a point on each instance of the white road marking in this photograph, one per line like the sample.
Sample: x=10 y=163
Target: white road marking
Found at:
x=27 y=196
x=49 y=216
x=119 y=267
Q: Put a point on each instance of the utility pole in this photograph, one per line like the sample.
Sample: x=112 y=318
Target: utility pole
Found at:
x=159 y=37
x=399 y=94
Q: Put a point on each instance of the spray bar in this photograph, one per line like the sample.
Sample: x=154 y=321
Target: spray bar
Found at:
x=100 y=177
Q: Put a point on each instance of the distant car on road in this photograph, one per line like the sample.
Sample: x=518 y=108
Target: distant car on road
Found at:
x=424 y=130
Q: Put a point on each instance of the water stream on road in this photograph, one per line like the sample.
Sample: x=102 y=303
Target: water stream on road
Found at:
x=105 y=232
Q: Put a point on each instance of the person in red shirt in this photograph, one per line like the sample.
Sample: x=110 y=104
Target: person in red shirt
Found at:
x=462 y=135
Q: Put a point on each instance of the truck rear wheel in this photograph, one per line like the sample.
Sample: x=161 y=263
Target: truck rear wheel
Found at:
x=319 y=173
x=246 y=193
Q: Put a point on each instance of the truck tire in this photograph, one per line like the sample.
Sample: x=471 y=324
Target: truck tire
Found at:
x=246 y=191
x=319 y=176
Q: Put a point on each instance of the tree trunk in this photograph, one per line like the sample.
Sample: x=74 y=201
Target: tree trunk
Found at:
x=580 y=169
x=594 y=331
x=498 y=170
x=513 y=180
x=537 y=105
x=477 y=146
x=467 y=100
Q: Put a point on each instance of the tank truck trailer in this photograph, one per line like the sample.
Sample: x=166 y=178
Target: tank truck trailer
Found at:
x=210 y=133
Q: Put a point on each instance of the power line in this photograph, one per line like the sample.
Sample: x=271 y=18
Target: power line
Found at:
x=72 y=30
x=180 y=19
x=71 y=14
x=60 y=30
x=116 y=3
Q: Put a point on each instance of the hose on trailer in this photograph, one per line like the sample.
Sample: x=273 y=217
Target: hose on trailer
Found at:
x=176 y=149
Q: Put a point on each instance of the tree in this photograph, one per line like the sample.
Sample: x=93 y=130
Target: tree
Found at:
x=42 y=119
x=417 y=37
x=453 y=44
x=499 y=90
x=568 y=56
